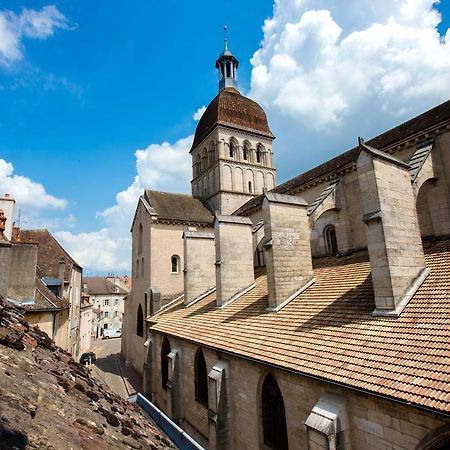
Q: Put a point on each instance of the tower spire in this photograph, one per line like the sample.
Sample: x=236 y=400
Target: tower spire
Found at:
x=227 y=65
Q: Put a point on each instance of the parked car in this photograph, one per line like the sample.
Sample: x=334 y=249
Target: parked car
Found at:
x=88 y=358
x=112 y=334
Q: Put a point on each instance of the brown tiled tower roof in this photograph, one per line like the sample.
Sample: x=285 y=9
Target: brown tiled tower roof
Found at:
x=230 y=107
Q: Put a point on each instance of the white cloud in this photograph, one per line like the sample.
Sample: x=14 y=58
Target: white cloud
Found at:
x=199 y=113
x=165 y=167
x=26 y=192
x=325 y=73
x=30 y=24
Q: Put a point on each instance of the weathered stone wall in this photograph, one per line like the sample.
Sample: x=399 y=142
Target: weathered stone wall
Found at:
x=375 y=423
x=288 y=249
x=199 y=258
x=22 y=272
x=234 y=256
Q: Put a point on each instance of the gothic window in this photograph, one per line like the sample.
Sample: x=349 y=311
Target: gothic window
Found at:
x=245 y=152
x=137 y=268
x=273 y=415
x=140 y=237
x=258 y=153
x=201 y=378
x=140 y=322
x=165 y=350
x=330 y=240
x=175 y=263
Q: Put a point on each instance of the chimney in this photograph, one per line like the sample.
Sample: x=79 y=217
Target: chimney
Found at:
x=62 y=270
x=199 y=272
x=7 y=204
x=392 y=229
x=287 y=247
x=234 y=258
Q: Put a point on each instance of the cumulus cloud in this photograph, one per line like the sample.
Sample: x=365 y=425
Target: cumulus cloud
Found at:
x=30 y=24
x=199 y=113
x=325 y=73
x=165 y=167
x=27 y=193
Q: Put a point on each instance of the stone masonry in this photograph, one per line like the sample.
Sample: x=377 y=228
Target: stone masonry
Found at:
x=234 y=256
x=288 y=248
x=199 y=258
x=393 y=234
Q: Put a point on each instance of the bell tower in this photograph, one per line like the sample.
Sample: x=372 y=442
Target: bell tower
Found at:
x=232 y=159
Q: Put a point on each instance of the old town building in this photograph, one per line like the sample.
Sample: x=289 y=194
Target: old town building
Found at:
x=307 y=315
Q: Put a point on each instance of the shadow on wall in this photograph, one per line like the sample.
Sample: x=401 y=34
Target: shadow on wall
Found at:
x=11 y=438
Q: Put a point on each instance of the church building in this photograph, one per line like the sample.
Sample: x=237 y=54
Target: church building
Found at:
x=313 y=314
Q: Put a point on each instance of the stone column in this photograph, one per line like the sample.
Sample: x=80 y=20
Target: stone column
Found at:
x=234 y=257
x=392 y=229
x=199 y=273
x=287 y=247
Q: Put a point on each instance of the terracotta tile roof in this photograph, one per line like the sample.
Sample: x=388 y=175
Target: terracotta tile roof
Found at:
x=328 y=331
x=101 y=285
x=178 y=208
x=429 y=119
x=50 y=252
x=229 y=107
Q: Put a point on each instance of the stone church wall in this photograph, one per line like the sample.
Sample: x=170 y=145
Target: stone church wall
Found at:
x=375 y=423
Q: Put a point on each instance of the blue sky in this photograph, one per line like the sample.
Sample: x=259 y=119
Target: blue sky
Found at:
x=100 y=80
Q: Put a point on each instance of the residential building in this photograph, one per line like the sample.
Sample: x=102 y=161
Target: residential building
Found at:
x=86 y=320
x=108 y=300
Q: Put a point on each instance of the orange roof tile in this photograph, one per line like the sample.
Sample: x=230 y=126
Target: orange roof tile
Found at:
x=328 y=330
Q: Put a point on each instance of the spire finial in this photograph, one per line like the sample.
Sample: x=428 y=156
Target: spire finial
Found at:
x=225 y=37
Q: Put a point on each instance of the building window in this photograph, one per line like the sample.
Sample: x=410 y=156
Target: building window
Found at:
x=137 y=268
x=250 y=188
x=175 y=263
x=142 y=267
x=258 y=153
x=201 y=378
x=106 y=314
x=232 y=149
x=274 y=417
x=116 y=313
x=330 y=240
x=245 y=152
x=140 y=237
x=106 y=302
x=116 y=301
x=165 y=350
x=140 y=322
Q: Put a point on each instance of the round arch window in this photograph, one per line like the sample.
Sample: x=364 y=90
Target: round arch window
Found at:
x=175 y=263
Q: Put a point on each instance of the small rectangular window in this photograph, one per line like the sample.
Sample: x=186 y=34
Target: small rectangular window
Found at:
x=106 y=314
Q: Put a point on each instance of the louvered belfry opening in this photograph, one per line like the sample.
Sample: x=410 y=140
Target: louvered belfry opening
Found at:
x=274 y=417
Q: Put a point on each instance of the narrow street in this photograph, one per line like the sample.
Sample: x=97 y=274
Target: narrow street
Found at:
x=110 y=368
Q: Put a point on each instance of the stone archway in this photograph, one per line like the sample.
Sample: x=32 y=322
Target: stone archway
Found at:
x=436 y=440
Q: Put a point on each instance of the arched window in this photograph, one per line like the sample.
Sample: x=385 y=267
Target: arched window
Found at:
x=201 y=378
x=330 y=240
x=258 y=153
x=245 y=152
x=140 y=237
x=274 y=417
x=137 y=269
x=140 y=322
x=165 y=350
x=232 y=149
x=250 y=188
x=175 y=263
x=142 y=267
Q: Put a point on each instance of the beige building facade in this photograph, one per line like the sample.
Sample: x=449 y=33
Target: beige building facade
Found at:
x=309 y=315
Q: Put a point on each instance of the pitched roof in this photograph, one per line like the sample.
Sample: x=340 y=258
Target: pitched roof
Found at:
x=328 y=331
x=178 y=207
x=425 y=121
x=231 y=108
x=50 y=252
x=101 y=285
x=45 y=300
